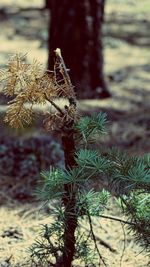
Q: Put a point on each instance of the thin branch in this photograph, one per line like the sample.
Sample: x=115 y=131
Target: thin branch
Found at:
x=116 y=219
x=54 y=105
x=94 y=239
x=102 y=242
x=64 y=71
x=63 y=67
x=106 y=245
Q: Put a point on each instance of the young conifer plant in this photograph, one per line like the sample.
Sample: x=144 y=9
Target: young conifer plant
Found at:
x=65 y=243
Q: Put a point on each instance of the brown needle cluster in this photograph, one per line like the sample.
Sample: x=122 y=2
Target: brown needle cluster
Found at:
x=29 y=84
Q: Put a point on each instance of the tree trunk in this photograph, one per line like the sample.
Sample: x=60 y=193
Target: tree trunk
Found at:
x=69 y=201
x=76 y=28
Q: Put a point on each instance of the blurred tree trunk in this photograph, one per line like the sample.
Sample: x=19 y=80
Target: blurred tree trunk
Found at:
x=76 y=28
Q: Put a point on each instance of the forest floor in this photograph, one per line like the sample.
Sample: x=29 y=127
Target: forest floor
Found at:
x=127 y=67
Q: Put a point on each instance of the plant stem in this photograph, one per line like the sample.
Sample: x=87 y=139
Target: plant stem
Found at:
x=54 y=105
x=69 y=201
x=94 y=239
x=116 y=219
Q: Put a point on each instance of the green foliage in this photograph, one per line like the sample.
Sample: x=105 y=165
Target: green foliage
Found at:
x=89 y=126
x=53 y=184
x=49 y=245
x=91 y=160
x=146 y=159
x=85 y=253
x=92 y=203
x=125 y=176
x=84 y=249
x=137 y=209
x=132 y=172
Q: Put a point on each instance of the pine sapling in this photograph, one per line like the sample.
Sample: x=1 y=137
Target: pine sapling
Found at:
x=64 y=241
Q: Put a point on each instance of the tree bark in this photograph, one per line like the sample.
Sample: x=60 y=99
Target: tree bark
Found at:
x=76 y=28
x=69 y=201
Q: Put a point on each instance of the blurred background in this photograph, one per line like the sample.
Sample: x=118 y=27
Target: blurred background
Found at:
x=106 y=46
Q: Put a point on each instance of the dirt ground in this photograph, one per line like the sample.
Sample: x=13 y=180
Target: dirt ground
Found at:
x=127 y=67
